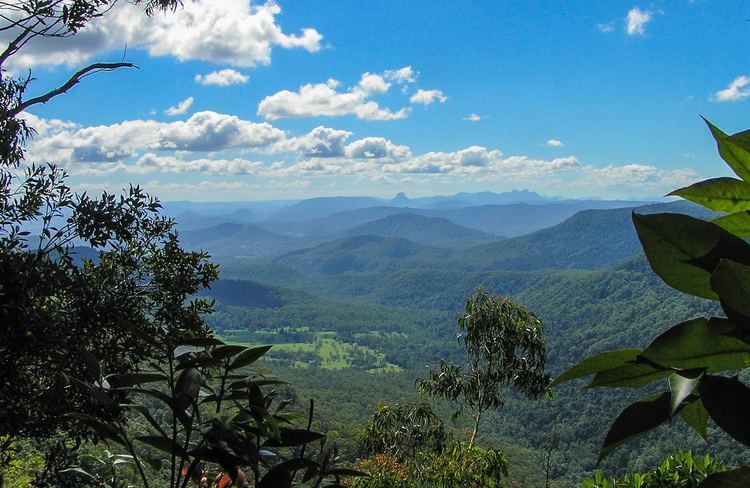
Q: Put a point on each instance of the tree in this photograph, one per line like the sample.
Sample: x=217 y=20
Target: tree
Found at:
x=707 y=259
x=62 y=307
x=505 y=346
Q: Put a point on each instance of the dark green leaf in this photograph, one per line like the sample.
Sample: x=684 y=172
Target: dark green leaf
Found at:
x=276 y=479
x=684 y=250
x=227 y=351
x=636 y=419
x=731 y=281
x=736 y=223
x=732 y=150
x=699 y=344
x=294 y=437
x=104 y=430
x=248 y=356
x=162 y=443
x=123 y=380
x=595 y=364
x=728 y=403
x=631 y=375
x=720 y=194
x=696 y=416
x=736 y=478
x=187 y=387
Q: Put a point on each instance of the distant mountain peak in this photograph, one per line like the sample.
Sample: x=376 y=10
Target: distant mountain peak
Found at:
x=400 y=198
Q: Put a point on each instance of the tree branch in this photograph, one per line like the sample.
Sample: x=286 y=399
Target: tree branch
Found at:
x=73 y=81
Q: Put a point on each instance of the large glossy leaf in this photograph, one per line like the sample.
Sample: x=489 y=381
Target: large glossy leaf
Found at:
x=631 y=375
x=696 y=416
x=699 y=344
x=731 y=281
x=732 y=150
x=728 y=403
x=684 y=250
x=736 y=478
x=681 y=385
x=720 y=194
x=636 y=419
x=737 y=223
x=595 y=364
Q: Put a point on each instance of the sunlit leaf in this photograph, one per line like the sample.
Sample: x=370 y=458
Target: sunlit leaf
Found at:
x=720 y=194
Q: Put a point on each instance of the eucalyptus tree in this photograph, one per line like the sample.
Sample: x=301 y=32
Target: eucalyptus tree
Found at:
x=505 y=347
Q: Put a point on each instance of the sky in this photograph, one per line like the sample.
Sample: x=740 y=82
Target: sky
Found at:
x=238 y=101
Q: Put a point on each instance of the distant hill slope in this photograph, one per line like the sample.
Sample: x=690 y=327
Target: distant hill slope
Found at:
x=362 y=254
x=234 y=240
x=502 y=220
x=591 y=239
x=434 y=231
x=315 y=208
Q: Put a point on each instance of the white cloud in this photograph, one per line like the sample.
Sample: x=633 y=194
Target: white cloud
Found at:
x=150 y=162
x=321 y=142
x=376 y=148
x=323 y=99
x=203 y=131
x=235 y=32
x=606 y=27
x=427 y=97
x=635 y=22
x=224 y=77
x=738 y=89
x=554 y=143
x=403 y=75
x=640 y=177
x=473 y=117
x=180 y=108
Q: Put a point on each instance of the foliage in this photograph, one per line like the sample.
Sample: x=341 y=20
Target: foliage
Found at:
x=679 y=470
x=403 y=431
x=457 y=466
x=505 y=346
x=704 y=259
x=207 y=416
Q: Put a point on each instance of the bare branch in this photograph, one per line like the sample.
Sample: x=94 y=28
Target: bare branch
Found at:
x=74 y=80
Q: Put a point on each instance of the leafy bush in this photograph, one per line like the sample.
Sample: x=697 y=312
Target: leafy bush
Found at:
x=680 y=470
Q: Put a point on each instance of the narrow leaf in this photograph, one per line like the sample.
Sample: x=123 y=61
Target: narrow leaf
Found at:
x=162 y=443
x=248 y=356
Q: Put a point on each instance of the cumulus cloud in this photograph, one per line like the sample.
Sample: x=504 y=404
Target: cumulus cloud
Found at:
x=235 y=32
x=402 y=75
x=738 y=89
x=428 y=97
x=150 y=162
x=635 y=22
x=473 y=117
x=321 y=142
x=376 y=148
x=324 y=99
x=637 y=176
x=554 y=143
x=180 y=108
x=224 y=77
x=203 y=131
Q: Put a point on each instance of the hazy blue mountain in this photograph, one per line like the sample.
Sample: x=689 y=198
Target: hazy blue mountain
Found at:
x=502 y=220
x=434 y=231
x=230 y=240
x=315 y=208
x=362 y=254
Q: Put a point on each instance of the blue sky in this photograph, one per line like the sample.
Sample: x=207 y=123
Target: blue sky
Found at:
x=302 y=99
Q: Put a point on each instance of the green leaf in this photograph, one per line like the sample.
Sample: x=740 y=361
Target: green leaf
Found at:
x=595 y=364
x=185 y=349
x=737 y=223
x=731 y=281
x=631 y=375
x=699 y=344
x=187 y=387
x=294 y=437
x=78 y=471
x=736 y=478
x=681 y=385
x=123 y=380
x=720 y=194
x=696 y=416
x=248 y=356
x=684 y=250
x=732 y=150
x=728 y=403
x=636 y=419
x=162 y=443
x=102 y=429
x=227 y=351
